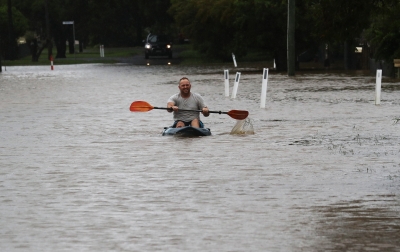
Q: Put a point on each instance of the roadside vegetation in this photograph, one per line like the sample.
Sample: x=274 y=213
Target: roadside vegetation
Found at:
x=325 y=30
x=187 y=56
x=89 y=55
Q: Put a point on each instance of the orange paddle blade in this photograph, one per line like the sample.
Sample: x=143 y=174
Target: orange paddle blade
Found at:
x=238 y=114
x=140 y=106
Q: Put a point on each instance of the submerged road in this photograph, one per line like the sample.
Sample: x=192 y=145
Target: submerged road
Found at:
x=80 y=172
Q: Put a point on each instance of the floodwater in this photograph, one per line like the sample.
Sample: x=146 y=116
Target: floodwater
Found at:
x=80 y=172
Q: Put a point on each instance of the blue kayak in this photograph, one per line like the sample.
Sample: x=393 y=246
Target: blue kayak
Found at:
x=187 y=131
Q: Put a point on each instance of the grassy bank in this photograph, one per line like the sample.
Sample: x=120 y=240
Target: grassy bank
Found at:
x=185 y=53
x=89 y=55
x=192 y=57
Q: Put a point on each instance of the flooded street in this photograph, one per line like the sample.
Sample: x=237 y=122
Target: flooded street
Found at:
x=80 y=172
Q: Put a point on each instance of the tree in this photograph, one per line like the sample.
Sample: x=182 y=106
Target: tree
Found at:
x=79 y=12
x=1 y=67
x=35 y=12
x=340 y=22
x=125 y=22
x=114 y=23
x=49 y=41
x=217 y=28
x=12 y=43
x=220 y=27
x=291 y=38
x=384 y=34
x=20 y=25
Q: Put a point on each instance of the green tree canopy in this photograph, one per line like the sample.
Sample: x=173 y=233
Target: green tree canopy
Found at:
x=20 y=22
x=220 y=27
x=217 y=28
x=20 y=25
x=383 y=33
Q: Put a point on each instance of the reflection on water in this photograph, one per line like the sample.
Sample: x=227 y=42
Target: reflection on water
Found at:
x=361 y=225
x=80 y=172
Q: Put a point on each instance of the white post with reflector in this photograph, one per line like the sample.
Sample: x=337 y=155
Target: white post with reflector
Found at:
x=378 y=87
x=236 y=85
x=226 y=78
x=51 y=62
x=264 y=88
x=102 y=51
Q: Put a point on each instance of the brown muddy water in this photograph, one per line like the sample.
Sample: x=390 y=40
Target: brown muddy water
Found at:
x=80 y=172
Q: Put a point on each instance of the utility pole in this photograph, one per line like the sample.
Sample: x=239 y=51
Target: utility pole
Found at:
x=291 y=56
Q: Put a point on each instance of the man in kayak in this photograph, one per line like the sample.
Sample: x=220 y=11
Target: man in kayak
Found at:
x=186 y=100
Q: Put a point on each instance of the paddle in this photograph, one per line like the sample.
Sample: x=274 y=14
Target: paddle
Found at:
x=143 y=106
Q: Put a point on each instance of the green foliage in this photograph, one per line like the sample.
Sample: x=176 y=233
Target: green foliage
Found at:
x=217 y=28
x=113 y=23
x=384 y=32
x=127 y=22
x=339 y=20
x=20 y=25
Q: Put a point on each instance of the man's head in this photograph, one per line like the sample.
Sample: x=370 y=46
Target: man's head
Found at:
x=184 y=86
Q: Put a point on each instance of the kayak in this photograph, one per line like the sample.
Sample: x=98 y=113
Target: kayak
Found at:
x=187 y=131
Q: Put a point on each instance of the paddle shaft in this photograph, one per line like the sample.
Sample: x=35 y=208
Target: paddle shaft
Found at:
x=217 y=112
x=143 y=106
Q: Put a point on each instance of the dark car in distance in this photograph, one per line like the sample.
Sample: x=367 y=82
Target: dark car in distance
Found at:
x=157 y=45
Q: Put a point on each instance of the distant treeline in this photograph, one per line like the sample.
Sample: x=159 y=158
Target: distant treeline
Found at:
x=216 y=28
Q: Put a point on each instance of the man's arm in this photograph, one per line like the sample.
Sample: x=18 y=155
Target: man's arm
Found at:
x=205 y=112
x=171 y=106
x=200 y=103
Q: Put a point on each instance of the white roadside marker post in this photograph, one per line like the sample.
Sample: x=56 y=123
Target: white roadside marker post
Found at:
x=378 y=87
x=264 y=88
x=236 y=85
x=226 y=78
